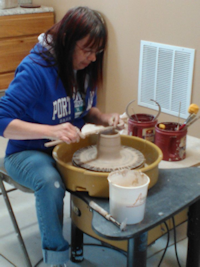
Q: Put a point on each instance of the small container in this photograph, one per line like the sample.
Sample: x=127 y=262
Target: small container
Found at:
x=143 y=126
x=8 y=4
x=171 y=141
x=127 y=195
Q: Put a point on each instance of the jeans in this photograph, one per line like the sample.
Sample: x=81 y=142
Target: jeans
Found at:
x=37 y=171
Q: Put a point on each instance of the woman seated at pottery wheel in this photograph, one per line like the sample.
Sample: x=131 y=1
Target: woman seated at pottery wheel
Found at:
x=52 y=95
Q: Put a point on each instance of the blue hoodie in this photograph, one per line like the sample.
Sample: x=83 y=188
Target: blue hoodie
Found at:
x=35 y=95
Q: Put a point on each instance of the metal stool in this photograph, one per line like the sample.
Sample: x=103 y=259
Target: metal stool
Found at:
x=4 y=177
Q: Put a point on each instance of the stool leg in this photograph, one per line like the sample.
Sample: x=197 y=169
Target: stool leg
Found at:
x=137 y=251
x=193 y=254
x=76 y=244
x=14 y=222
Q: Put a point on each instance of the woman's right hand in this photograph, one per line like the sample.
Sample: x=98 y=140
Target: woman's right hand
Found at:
x=22 y=130
x=65 y=132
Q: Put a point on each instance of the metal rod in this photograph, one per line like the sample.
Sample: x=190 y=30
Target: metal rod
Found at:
x=193 y=233
x=76 y=244
x=14 y=222
x=137 y=251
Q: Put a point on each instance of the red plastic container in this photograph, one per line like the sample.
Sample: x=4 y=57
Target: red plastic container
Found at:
x=171 y=142
x=142 y=125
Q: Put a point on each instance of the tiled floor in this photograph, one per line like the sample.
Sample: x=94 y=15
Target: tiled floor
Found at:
x=95 y=256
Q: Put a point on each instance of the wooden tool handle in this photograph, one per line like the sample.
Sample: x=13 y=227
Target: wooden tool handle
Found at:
x=181 y=127
x=53 y=143
x=98 y=209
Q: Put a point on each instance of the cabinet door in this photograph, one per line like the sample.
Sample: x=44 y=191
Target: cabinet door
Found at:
x=26 y=24
x=5 y=79
x=13 y=50
x=18 y=35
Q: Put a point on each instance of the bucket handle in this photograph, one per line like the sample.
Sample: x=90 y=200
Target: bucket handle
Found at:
x=133 y=110
x=159 y=109
x=155 y=117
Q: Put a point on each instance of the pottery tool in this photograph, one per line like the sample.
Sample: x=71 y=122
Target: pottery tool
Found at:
x=179 y=112
x=193 y=110
x=191 y=122
x=107 y=216
x=98 y=130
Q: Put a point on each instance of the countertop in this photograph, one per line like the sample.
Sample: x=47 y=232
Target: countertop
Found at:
x=20 y=10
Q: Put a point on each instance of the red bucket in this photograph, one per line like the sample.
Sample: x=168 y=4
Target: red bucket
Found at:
x=171 y=142
x=142 y=125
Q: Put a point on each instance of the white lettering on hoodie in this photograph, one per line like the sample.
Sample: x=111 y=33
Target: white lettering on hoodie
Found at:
x=61 y=108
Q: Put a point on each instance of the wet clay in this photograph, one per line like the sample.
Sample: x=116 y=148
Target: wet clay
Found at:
x=108 y=155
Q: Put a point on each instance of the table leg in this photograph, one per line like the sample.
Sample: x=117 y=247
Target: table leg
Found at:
x=76 y=244
x=193 y=232
x=137 y=251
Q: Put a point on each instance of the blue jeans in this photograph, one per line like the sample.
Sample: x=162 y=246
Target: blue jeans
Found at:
x=37 y=171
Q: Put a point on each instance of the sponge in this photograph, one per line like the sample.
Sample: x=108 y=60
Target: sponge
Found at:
x=193 y=109
x=161 y=126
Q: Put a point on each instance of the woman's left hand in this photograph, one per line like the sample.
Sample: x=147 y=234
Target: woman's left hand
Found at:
x=105 y=119
x=113 y=119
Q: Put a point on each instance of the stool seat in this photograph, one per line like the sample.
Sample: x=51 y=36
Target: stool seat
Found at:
x=5 y=177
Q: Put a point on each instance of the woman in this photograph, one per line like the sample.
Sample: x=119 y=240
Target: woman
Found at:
x=52 y=95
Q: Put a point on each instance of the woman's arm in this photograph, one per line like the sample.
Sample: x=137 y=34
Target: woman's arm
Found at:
x=20 y=130
x=95 y=116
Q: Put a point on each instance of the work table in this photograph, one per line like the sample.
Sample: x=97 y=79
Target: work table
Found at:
x=175 y=190
x=162 y=204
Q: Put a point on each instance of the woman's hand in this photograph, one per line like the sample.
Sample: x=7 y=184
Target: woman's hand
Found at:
x=95 y=116
x=66 y=132
x=21 y=130
x=113 y=119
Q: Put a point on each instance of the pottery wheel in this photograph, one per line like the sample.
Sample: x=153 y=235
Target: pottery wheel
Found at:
x=87 y=158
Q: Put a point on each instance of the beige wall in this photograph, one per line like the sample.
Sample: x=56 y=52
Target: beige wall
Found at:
x=170 y=22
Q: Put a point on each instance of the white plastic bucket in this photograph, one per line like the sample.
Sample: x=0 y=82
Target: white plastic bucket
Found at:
x=127 y=195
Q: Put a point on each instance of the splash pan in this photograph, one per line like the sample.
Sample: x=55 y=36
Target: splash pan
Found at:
x=93 y=182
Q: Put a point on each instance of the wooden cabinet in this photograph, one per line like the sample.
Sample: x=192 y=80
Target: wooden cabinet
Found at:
x=18 y=35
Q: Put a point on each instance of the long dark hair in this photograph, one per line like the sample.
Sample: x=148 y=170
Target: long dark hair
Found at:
x=78 y=23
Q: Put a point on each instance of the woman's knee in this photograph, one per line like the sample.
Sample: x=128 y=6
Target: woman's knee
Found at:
x=49 y=180
x=35 y=170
